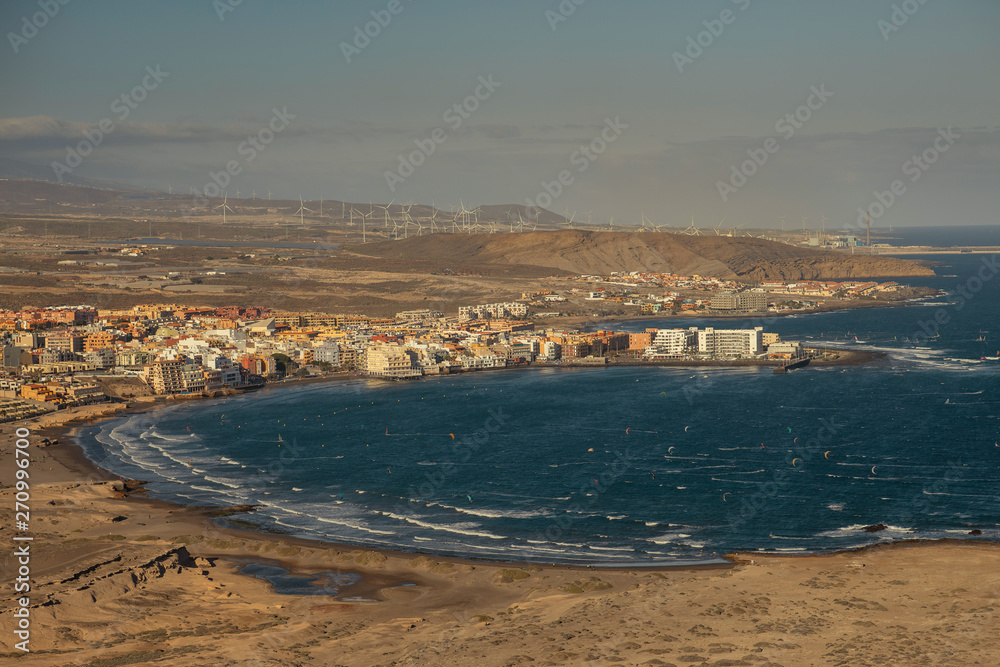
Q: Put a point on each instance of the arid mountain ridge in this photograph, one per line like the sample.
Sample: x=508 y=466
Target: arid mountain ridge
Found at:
x=601 y=253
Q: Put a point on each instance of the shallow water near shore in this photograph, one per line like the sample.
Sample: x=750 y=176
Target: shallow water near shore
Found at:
x=617 y=465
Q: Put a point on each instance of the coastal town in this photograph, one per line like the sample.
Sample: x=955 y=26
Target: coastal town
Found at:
x=74 y=355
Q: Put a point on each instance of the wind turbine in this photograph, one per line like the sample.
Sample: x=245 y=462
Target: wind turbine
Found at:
x=362 y=215
x=692 y=230
x=268 y=195
x=224 y=206
x=386 y=212
x=407 y=220
x=642 y=218
x=464 y=214
x=237 y=193
x=170 y=189
x=302 y=210
x=782 y=218
x=364 y=219
x=253 y=195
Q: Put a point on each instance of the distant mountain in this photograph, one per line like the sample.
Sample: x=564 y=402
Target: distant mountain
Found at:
x=34 y=188
x=601 y=253
x=15 y=170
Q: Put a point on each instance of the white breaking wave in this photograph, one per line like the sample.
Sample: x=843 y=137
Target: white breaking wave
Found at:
x=443 y=527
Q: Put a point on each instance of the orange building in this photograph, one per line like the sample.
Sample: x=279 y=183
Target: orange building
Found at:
x=98 y=341
x=640 y=341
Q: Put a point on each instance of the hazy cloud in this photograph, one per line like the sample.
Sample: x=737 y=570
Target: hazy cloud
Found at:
x=41 y=133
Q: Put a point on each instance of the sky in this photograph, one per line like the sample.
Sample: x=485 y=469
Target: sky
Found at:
x=738 y=110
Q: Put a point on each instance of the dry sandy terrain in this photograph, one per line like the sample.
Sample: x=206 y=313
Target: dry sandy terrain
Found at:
x=122 y=580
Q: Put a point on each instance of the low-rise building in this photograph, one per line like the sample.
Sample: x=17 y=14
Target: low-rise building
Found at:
x=390 y=361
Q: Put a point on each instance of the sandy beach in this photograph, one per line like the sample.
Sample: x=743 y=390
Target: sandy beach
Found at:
x=117 y=578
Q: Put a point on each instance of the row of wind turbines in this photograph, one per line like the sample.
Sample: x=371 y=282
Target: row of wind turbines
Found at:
x=401 y=223
x=380 y=220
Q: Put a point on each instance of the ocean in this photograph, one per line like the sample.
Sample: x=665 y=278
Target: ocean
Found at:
x=955 y=235
x=619 y=465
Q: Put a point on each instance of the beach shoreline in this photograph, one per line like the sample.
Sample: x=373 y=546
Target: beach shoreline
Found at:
x=64 y=428
x=161 y=573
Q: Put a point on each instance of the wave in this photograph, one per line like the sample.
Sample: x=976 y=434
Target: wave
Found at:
x=224 y=482
x=449 y=528
x=491 y=514
x=854 y=529
x=354 y=525
x=668 y=538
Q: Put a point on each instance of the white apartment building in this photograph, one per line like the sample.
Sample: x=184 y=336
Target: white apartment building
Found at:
x=551 y=350
x=731 y=342
x=390 y=361
x=493 y=310
x=328 y=352
x=671 y=343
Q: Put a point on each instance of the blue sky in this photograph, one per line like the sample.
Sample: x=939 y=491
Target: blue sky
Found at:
x=686 y=130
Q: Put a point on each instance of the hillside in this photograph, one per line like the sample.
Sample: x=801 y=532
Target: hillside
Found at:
x=601 y=253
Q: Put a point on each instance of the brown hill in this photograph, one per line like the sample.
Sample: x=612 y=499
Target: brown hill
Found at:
x=600 y=253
